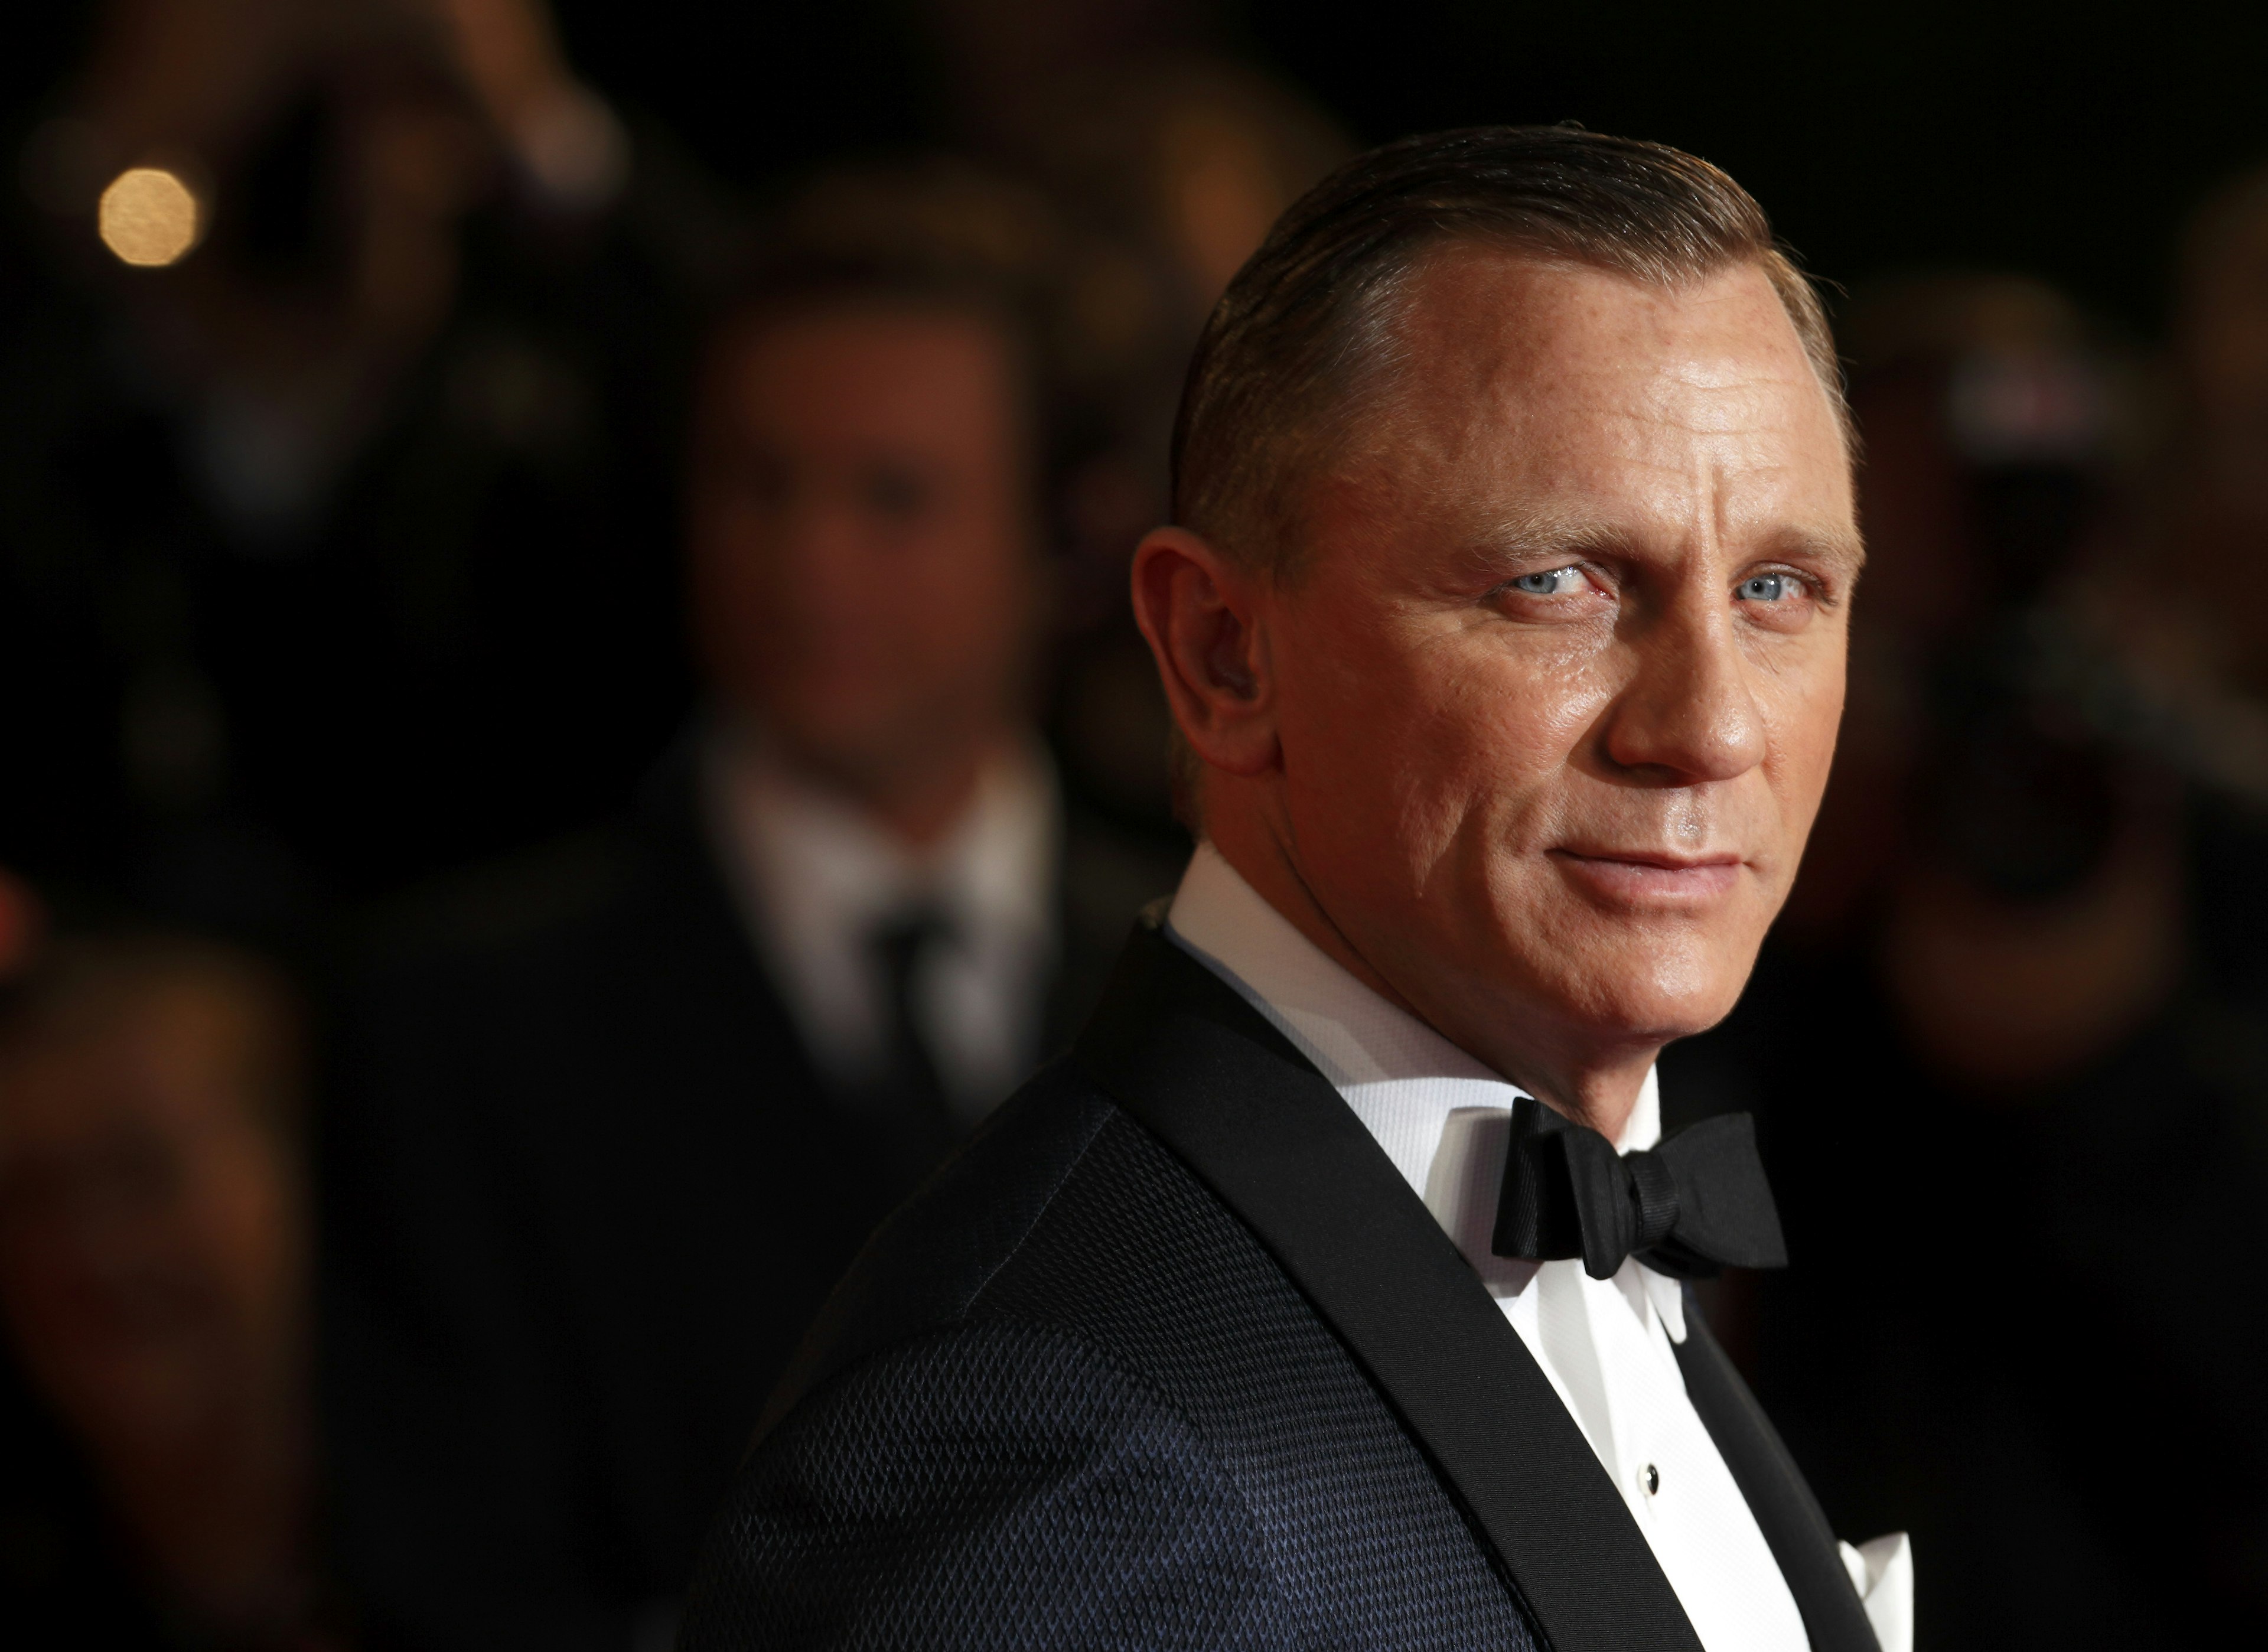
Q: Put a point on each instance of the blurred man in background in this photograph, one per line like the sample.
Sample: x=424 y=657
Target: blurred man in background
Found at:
x=154 y=1421
x=610 y=1136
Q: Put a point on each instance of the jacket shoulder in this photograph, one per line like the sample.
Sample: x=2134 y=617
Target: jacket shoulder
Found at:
x=990 y=1482
x=932 y=1259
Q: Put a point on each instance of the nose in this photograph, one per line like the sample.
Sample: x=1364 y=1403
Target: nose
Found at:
x=1686 y=715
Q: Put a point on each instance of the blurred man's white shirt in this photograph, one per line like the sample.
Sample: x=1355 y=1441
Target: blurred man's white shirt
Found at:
x=816 y=876
x=1606 y=1345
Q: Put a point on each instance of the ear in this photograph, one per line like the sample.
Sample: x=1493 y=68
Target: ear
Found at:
x=1202 y=616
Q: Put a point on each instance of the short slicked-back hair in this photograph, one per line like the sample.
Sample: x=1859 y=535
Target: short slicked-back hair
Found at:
x=1304 y=328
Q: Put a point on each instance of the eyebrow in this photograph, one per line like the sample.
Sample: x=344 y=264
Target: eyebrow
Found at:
x=1528 y=533
x=1846 y=553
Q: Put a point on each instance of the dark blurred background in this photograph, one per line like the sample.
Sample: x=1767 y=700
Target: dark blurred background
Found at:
x=2068 y=145
x=447 y=728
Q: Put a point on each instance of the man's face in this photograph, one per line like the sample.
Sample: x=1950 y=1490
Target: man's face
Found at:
x=1557 y=682
x=150 y=1249
x=863 y=558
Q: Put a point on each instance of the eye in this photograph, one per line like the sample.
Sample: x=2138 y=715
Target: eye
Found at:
x=893 y=492
x=1575 y=592
x=1555 y=582
x=756 y=480
x=1778 y=599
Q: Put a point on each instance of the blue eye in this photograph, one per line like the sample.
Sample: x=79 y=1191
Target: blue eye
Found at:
x=1766 y=587
x=1543 y=584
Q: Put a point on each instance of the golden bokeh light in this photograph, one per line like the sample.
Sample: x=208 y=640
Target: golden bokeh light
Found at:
x=149 y=218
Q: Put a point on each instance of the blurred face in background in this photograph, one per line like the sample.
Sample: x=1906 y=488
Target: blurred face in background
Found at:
x=150 y=1240
x=864 y=552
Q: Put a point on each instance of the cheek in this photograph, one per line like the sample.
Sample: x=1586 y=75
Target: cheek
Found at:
x=1803 y=724
x=731 y=604
x=1498 y=736
x=247 y=1218
x=958 y=600
x=726 y=533
x=1440 y=747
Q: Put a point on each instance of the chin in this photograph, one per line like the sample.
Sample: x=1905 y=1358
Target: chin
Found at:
x=1647 y=992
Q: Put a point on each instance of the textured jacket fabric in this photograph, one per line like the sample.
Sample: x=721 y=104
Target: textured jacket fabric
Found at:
x=1171 y=1356
x=1097 y=1414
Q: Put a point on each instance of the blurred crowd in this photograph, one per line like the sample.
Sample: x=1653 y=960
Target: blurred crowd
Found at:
x=568 y=729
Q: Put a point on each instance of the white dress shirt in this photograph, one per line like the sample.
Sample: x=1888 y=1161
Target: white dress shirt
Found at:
x=1444 y=1119
x=816 y=878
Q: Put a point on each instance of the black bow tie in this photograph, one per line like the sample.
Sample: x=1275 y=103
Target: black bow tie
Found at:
x=1690 y=1207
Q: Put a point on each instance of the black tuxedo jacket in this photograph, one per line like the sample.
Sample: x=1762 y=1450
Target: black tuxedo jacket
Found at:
x=1171 y=1356
x=583 y=1191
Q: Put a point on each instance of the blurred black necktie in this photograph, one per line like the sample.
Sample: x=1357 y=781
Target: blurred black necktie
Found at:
x=1693 y=1206
x=900 y=946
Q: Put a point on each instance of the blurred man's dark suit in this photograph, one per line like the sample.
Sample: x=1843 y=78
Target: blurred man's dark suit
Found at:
x=1171 y=1356
x=585 y=1188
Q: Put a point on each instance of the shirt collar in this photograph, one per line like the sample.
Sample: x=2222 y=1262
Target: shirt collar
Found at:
x=814 y=863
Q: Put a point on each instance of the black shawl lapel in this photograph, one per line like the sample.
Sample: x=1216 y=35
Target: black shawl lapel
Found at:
x=1787 y=1514
x=1196 y=1064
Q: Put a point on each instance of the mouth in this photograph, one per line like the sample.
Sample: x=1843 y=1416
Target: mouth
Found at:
x=1647 y=877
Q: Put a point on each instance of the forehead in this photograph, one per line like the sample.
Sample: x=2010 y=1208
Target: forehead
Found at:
x=875 y=364
x=168 y=1053
x=1526 y=385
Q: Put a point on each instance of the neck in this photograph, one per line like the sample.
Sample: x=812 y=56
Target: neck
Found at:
x=1595 y=1083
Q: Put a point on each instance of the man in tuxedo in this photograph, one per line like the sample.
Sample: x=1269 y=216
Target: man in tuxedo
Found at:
x=614 y=1119
x=1331 y=1293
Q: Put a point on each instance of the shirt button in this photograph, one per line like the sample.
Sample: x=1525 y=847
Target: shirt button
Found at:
x=1653 y=1479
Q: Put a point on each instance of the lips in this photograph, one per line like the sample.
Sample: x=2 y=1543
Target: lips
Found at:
x=1645 y=877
